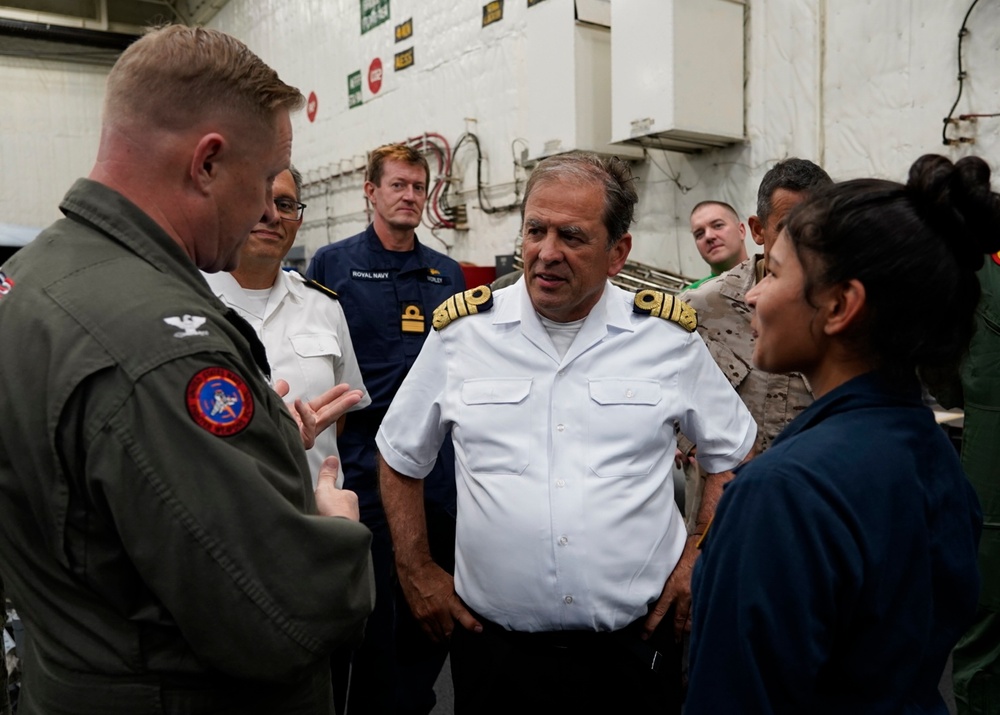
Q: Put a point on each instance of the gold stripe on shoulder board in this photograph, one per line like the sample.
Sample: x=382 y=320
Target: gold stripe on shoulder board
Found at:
x=474 y=300
x=316 y=285
x=666 y=306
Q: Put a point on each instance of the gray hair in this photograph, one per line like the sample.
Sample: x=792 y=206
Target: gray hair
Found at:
x=611 y=174
x=297 y=178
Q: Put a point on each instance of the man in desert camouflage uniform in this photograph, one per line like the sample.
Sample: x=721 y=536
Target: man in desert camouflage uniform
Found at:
x=724 y=324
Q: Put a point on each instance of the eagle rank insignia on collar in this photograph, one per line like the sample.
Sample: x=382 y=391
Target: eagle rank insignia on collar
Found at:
x=668 y=307
x=474 y=300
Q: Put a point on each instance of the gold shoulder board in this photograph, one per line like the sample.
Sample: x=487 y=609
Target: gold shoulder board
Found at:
x=668 y=307
x=316 y=285
x=474 y=300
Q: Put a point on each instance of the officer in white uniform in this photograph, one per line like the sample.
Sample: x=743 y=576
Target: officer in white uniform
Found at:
x=300 y=322
x=561 y=394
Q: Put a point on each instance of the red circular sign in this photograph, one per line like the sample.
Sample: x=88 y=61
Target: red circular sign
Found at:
x=375 y=75
x=312 y=104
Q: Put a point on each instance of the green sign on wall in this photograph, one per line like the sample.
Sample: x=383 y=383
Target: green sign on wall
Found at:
x=354 y=89
x=373 y=14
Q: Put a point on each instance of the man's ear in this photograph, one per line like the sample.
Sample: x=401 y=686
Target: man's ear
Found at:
x=845 y=307
x=619 y=253
x=205 y=160
x=756 y=230
x=370 y=191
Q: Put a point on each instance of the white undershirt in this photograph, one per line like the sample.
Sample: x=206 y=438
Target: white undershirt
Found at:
x=562 y=334
x=256 y=302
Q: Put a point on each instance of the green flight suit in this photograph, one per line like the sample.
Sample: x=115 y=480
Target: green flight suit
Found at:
x=162 y=561
x=977 y=655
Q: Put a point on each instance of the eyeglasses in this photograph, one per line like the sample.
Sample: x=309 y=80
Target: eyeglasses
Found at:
x=289 y=210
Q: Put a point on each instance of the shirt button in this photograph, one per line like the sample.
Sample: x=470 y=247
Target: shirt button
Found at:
x=629 y=394
x=560 y=483
x=563 y=540
x=560 y=428
x=568 y=600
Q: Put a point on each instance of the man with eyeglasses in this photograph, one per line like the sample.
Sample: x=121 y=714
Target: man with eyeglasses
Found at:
x=299 y=321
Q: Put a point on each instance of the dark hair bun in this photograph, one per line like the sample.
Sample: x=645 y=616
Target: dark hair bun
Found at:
x=957 y=202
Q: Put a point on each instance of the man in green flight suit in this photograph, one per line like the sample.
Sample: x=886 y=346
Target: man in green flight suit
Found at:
x=159 y=532
x=977 y=655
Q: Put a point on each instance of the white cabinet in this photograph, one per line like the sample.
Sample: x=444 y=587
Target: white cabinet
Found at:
x=677 y=73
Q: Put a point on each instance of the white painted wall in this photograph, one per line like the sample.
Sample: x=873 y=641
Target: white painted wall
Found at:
x=860 y=86
x=49 y=129
x=465 y=76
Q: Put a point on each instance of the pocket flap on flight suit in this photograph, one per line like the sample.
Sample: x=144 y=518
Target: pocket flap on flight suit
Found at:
x=624 y=391
x=486 y=391
x=315 y=345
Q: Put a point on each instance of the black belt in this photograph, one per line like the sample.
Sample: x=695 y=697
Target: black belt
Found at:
x=602 y=643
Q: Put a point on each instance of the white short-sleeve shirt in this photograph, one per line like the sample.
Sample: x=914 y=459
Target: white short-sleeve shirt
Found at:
x=308 y=345
x=566 y=515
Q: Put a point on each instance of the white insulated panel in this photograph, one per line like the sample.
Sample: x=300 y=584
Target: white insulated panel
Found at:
x=49 y=133
x=569 y=83
x=677 y=72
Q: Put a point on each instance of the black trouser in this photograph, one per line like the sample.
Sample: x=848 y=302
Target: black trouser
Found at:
x=500 y=671
x=394 y=670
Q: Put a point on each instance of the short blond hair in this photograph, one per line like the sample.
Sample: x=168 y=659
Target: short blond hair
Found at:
x=394 y=152
x=175 y=75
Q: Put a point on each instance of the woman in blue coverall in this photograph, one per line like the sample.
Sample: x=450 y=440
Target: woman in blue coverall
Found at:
x=840 y=569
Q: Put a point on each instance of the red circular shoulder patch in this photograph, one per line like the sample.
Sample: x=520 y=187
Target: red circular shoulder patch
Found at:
x=996 y=258
x=219 y=401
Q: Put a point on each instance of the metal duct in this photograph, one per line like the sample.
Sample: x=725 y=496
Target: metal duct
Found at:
x=66 y=35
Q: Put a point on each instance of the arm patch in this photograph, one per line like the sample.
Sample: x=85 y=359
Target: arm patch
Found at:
x=474 y=300
x=668 y=307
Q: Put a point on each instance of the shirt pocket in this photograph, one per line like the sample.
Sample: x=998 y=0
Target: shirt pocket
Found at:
x=624 y=427
x=495 y=425
x=316 y=345
x=318 y=355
